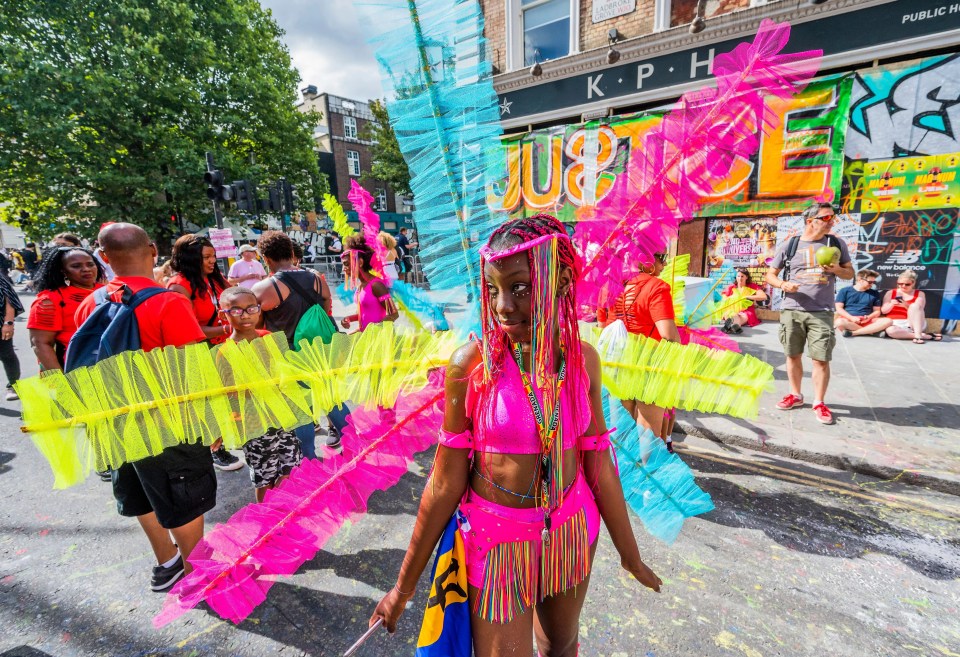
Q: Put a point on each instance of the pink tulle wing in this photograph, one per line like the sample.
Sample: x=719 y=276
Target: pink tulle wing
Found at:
x=711 y=337
x=685 y=159
x=237 y=562
x=369 y=222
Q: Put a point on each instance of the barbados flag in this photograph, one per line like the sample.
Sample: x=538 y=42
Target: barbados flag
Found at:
x=446 y=622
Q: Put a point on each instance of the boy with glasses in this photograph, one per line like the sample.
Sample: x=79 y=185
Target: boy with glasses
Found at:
x=274 y=455
x=807 y=310
x=858 y=307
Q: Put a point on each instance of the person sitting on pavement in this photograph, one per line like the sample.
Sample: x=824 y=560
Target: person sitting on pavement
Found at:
x=806 y=315
x=272 y=456
x=905 y=307
x=747 y=317
x=143 y=488
x=67 y=275
x=247 y=271
x=858 y=307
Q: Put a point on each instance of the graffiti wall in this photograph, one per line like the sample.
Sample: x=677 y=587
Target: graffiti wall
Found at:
x=905 y=110
x=927 y=242
x=752 y=241
x=883 y=143
x=562 y=169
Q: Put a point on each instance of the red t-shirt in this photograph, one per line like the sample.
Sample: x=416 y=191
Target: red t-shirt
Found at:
x=205 y=306
x=53 y=310
x=645 y=301
x=164 y=320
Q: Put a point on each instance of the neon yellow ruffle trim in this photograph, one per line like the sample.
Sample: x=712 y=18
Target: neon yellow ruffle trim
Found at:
x=689 y=377
x=338 y=218
x=138 y=403
x=672 y=275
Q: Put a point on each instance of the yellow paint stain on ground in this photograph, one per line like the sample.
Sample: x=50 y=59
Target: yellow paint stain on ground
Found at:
x=209 y=628
x=728 y=641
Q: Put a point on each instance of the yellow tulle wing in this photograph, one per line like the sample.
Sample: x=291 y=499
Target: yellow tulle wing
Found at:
x=137 y=403
x=688 y=377
x=338 y=218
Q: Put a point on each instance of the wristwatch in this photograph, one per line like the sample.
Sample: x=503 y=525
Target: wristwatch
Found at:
x=9 y=322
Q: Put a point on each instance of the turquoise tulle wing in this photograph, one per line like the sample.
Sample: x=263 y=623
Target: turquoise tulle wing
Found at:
x=657 y=485
x=445 y=113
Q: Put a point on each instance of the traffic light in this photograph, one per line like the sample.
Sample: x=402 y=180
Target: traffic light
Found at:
x=216 y=189
x=245 y=195
x=274 y=200
x=214 y=180
x=289 y=198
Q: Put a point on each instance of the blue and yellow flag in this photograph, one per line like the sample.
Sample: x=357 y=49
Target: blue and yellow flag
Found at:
x=446 y=621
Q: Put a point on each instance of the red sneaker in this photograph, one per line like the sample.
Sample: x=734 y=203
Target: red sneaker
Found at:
x=790 y=401
x=824 y=416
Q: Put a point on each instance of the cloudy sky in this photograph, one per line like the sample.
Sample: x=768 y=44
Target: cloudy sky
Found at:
x=328 y=46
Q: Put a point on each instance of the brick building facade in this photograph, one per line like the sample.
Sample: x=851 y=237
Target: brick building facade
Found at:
x=339 y=135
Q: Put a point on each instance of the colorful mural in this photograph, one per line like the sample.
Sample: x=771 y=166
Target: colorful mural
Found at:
x=906 y=109
x=882 y=143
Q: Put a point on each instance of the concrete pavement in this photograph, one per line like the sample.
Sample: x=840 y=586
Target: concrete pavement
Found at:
x=895 y=402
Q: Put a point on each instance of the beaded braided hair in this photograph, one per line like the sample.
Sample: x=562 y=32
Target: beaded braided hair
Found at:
x=549 y=251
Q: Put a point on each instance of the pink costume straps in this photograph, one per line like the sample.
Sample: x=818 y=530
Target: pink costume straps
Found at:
x=369 y=306
x=508 y=425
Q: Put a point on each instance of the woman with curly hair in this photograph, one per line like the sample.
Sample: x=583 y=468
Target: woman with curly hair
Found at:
x=371 y=294
x=66 y=276
x=197 y=277
x=525 y=454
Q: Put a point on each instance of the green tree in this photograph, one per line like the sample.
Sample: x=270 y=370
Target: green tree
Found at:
x=388 y=163
x=107 y=108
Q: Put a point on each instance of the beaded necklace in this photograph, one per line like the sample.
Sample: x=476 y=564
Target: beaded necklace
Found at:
x=551 y=450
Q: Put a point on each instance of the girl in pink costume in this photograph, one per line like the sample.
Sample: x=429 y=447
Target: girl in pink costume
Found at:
x=524 y=453
x=371 y=295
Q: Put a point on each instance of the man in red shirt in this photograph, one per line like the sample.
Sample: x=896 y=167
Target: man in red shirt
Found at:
x=167 y=493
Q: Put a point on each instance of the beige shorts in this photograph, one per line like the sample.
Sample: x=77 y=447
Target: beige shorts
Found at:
x=813 y=330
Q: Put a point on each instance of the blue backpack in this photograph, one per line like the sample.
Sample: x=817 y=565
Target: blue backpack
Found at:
x=111 y=328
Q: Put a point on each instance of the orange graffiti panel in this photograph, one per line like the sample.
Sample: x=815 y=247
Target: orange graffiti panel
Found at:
x=781 y=146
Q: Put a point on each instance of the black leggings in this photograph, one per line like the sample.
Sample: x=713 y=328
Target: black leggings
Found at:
x=11 y=364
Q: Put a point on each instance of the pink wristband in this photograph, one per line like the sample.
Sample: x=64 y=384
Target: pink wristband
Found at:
x=462 y=440
x=597 y=443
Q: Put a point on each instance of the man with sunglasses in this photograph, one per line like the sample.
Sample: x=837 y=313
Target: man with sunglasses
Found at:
x=858 y=307
x=808 y=306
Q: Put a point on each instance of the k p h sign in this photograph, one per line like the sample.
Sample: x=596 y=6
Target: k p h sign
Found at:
x=834 y=34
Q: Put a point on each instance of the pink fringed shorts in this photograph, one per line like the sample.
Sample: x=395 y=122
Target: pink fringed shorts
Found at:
x=507 y=559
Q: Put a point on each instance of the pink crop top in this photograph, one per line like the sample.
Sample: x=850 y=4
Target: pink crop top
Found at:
x=510 y=427
x=370 y=307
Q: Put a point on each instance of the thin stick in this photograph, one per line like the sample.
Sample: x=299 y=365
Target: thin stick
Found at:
x=366 y=635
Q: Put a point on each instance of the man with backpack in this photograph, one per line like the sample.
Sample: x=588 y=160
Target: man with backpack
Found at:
x=807 y=309
x=167 y=493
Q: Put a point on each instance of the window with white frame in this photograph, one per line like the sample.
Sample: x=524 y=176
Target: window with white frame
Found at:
x=381 y=202
x=540 y=30
x=349 y=127
x=353 y=163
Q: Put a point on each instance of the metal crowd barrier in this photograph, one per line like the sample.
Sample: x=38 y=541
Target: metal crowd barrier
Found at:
x=331 y=267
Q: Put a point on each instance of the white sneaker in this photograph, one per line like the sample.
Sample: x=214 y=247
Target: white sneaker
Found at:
x=11 y=395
